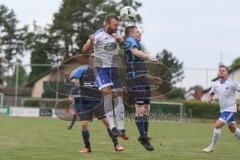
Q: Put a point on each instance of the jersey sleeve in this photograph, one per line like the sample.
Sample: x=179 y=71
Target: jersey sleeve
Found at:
x=78 y=72
x=130 y=43
x=238 y=87
x=212 y=90
x=97 y=35
x=235 y=86
x=96 y=38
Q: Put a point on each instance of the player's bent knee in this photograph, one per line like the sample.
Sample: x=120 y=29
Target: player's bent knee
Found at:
x=139 y=113
x=232 y=127
x=105 y=122
x=84 y=125
x=219 y=124
x=119 y=93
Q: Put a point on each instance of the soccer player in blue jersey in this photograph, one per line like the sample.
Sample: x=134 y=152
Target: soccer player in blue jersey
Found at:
x=105 y=42
x=137 y=82
x=225 y=89
x=89 y=104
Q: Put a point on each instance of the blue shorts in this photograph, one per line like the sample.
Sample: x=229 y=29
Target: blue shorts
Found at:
x=88 y=108
x=228 y=117
x=86 y=104
x=108 y=77
x=139 y=91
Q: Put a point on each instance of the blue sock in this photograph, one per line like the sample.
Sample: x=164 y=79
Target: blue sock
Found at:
x=146 y=122
x=85 y=135
x=139 y=120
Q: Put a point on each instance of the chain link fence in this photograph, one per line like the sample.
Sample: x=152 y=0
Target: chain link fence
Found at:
x=21 y=82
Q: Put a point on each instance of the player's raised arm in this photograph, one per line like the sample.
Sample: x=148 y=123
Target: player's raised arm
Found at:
x=141 y=54
x=87 y=47
x=119 y=39
x=132 y=43
x=156 y=80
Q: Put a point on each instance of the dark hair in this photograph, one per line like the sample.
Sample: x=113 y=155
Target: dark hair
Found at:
x=109 y=17
x=128 y=30
x=223 y=66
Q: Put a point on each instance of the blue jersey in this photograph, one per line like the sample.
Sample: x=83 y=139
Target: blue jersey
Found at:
x=78 y=72
x=135 y=65
x=87 y=89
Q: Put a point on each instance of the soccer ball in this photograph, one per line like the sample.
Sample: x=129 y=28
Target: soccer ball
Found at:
x=127 y=13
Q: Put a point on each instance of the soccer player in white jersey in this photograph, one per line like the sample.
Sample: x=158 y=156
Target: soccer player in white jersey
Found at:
x=105 y=42
x=225 y=89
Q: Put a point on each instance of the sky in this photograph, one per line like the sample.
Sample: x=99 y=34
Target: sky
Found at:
x=200 y=33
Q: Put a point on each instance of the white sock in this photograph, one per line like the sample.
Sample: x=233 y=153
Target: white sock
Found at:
x=119 y=112
x=108 y=103
x=110 y=119
x=215 y=137
x=109 y=110
x=148 y=106
x=237 y=133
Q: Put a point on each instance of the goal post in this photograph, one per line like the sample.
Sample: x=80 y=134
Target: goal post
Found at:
x=39 y=102
x=174 y=109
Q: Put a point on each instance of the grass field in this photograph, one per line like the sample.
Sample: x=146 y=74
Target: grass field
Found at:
x=48 y=139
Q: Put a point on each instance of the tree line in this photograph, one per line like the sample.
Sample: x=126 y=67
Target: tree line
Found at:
x=64 y=37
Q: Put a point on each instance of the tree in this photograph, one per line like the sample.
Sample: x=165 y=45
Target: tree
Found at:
x=176 y=93
x=21 y=73
x=77 y=19
x=11 y=37
x=11 y=40
x=174 y=75
x=37 y=44
x=176 y=68
x=236 y=63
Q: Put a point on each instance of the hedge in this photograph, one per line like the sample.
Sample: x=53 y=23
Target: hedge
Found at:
x=198 y=109
x=31 y=103
x=201 y=109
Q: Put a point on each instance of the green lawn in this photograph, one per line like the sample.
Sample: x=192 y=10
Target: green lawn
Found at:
x=48 y=139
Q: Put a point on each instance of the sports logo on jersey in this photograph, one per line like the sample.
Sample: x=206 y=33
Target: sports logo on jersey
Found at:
x=110 y=46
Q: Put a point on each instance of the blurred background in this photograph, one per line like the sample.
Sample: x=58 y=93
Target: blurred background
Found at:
x=191 y=38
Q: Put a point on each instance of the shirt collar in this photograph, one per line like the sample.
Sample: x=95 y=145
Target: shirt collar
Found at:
x=223 y=81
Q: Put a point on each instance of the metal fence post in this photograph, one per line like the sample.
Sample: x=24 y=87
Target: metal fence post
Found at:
x=16 y=83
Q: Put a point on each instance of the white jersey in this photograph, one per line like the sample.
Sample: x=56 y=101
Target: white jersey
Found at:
x=226 y=93
x=105 y=50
